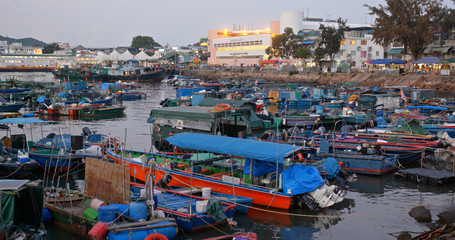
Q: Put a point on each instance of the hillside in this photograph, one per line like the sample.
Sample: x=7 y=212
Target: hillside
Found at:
x=24 y=41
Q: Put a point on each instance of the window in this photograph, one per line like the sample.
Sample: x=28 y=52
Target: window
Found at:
x=343 y=42
x=377 y=53
x=353 y=52
x=363 y=42
x=363 y=54
x=353 y=42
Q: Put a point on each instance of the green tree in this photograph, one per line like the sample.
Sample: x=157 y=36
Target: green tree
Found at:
x=443 y=22
x=330 y=41
x=405 y=22
x=302 y=53
x=50 y=48
x=200 y=41
x=144 y=42
x=284 y=45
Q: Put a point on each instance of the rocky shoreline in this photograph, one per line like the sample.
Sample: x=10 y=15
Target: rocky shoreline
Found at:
x=441 y=84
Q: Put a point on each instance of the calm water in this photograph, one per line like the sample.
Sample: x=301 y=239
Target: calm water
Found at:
x=374 y=207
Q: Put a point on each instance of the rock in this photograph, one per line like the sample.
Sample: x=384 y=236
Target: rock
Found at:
x=420 y=214
x=404 y=236
x=447 y=216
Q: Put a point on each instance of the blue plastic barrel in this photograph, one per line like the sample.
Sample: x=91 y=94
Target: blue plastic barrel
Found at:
x=169 y=232
x=124 y=235
x=106 y=213
x=122 y=208
x=138 y=209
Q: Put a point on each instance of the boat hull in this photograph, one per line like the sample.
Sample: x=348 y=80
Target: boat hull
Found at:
x=260 y=196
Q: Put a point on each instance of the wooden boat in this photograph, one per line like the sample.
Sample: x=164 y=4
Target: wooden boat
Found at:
x=191 y=213
x=217 y=174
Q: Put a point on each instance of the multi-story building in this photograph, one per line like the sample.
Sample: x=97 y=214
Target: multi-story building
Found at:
x=240 y=47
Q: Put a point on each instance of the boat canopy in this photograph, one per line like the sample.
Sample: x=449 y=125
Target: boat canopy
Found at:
x=23 y=121
x=248 y=148
x=427 y=107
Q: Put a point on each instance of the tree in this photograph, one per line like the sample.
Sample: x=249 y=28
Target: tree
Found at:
x=302 y=53
x=284 y=45
x=144 y=42
x=330 y=41
x=443 y=22
x=50 y=48
x=201 y=40
x=406 y=22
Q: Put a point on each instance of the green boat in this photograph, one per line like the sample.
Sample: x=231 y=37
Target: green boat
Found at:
x=98 y=111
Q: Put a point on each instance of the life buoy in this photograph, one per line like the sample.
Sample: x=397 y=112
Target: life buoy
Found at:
x=223 y=106
x=300 y=156
x=156 y=236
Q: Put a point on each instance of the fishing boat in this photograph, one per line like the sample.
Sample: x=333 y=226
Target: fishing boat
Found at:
x=101 y=110
x=10 y=106
x=257 y=172
x=192 y=213
x=22 y=208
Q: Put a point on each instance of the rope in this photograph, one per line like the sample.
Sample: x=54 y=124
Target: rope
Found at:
x=15 y=171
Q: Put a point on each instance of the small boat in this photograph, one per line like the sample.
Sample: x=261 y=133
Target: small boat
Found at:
x=11 y=107
x=192 y=213
x=100 y=110
x=129 y=96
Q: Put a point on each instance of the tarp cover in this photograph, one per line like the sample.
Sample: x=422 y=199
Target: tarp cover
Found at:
x=331 y=167
x=23 y=121
x=260 y=167
x=248 y=148
x=387 y=61
x=215 y=209
x=300 y=178
x=411 y=127
x=427 y=107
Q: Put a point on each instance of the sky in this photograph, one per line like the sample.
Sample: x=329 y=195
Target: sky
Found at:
x=113 y=23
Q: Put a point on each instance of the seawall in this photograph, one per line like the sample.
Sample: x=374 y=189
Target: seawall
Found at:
x=436 y=82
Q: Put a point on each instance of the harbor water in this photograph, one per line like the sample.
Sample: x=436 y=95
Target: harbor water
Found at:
x=374 y=207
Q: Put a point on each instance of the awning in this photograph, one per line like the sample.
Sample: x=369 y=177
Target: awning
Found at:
x=441 y=49
x=395 y=51
x=427 y=60
x=269 y=61
x=248 y=148
x=427 y=50
x=308 y=42
x=448 y=60
x=388 y=61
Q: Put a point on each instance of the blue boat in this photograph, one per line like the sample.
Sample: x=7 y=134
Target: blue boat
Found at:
x=192 y=213
x=11 y=107
x=367 y=160
x=130 y=96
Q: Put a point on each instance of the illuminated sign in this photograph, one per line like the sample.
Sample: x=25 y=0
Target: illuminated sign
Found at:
x=37 y=51
x=243 y=48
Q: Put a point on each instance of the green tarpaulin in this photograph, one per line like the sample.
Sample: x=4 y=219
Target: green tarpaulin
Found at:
x=411 y=127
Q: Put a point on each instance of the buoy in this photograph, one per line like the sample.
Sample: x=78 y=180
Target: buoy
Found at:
x=156 y=236
x=223 y=106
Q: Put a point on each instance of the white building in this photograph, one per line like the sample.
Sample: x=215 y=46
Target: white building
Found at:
x=35 y=60
x=356 y=49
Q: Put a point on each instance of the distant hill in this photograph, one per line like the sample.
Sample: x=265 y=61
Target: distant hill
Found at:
x=24 y=41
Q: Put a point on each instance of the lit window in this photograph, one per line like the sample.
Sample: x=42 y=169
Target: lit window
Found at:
x=363 y=42
x=353 y=42
x=343 y=42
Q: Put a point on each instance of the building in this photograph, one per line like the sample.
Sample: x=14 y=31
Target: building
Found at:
x=240 y=47
x=356 y=49
x=34 y=60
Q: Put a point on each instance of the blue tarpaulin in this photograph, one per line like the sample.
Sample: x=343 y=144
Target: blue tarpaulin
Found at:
x=428 y=107
x=41 y=99
x=331 y=167
x=23 y=121
x=427 y=60
x=300 y=178
x=248 y=148
x=260 y=167
x=388 y=61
